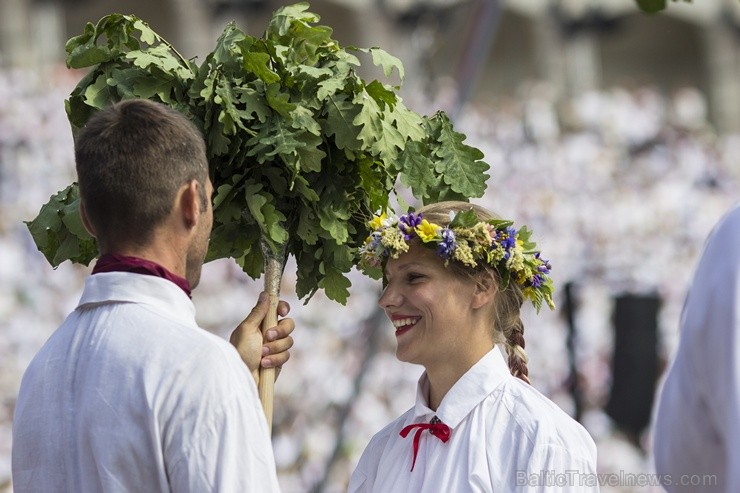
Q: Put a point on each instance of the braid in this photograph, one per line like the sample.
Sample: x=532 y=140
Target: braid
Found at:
x=515 y=349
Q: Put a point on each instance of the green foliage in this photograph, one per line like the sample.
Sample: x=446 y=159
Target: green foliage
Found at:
x=129 y=60
x=301 y=149
x=654 y=6
x=58 y=230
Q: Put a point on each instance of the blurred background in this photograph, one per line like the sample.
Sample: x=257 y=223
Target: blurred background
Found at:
x=613 y=134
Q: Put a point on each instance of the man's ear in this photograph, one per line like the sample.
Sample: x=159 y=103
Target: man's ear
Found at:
x=189 y=201
x=486 y=288
x=85 y=220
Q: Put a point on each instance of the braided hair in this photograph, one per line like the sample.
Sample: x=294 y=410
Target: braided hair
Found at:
x=507 y=324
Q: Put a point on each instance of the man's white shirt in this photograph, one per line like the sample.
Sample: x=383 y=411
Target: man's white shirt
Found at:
x=129 y=394
x=696 y=439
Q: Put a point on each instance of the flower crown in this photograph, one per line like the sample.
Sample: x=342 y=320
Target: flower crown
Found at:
x=466 y=240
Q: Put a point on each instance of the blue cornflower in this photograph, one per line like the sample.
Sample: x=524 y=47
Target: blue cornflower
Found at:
x=510 y=240
x=447 y=245
x=376 y=236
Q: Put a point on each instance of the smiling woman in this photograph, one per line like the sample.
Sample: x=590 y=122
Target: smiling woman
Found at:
x=456 y=278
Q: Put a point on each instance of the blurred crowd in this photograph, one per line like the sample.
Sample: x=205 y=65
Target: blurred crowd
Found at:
x=620 y=187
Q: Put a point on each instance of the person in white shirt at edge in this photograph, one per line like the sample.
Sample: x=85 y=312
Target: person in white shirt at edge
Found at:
x=477 y=425
x=696 y=427
x=129 y=394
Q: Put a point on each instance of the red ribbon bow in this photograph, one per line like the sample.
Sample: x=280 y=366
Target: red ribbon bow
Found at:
x=435 y=427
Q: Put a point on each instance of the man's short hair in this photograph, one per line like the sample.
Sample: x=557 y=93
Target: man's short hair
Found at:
x=131 y=160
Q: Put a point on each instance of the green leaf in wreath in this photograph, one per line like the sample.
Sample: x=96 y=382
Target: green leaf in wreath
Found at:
x=464 y=219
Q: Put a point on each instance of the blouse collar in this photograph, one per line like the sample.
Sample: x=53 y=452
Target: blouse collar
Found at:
x=469 y=391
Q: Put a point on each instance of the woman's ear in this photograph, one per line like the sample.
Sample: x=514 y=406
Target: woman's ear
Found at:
x=486 y=288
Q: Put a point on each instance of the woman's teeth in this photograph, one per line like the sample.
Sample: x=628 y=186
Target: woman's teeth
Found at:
x=403 y=322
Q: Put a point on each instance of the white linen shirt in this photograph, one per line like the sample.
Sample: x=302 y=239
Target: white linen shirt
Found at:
x=505 y=437
x=129 y=394
x=696 y=429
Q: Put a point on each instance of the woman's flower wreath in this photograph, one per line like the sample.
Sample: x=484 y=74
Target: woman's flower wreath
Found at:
x=468 y=241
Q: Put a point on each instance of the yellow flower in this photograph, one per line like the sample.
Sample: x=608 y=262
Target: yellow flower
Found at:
x=427 y=231
x=377 y=221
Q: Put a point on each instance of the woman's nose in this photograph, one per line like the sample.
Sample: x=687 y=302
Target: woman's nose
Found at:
x=389 y=298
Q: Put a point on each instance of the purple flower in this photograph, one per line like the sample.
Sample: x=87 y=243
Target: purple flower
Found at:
x=376 y=240
x=536 y=281
x=545 y=266
x=447 y=245
x=510 y=240
x=407 y=223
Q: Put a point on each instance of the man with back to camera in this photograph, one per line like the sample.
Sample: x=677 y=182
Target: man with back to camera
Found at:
x=129 y=394
x=696 y=427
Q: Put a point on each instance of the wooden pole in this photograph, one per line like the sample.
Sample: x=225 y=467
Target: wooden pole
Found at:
x=274 y=265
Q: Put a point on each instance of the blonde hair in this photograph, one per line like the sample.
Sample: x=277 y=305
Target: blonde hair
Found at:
x=507 y=324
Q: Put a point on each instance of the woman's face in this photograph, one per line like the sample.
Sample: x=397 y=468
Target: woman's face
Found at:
x=434 y=311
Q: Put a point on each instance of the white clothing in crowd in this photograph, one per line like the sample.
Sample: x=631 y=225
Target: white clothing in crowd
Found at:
x=697 y=422
x=505 y=436
x=129 y=394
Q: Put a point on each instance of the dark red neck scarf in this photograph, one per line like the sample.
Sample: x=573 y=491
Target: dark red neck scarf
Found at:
x=113 y=262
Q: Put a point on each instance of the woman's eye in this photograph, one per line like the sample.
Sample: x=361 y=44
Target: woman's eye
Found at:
x=413 y=277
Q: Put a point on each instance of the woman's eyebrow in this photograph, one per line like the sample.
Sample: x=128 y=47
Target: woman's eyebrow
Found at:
x=404 y=267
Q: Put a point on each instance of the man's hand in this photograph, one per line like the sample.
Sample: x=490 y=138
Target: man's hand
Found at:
x=272 y=352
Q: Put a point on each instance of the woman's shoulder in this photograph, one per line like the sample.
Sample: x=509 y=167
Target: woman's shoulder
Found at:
x=537 y=419
x=393 y=428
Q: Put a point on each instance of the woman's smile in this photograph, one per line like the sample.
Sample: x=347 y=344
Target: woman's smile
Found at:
x=404 y=323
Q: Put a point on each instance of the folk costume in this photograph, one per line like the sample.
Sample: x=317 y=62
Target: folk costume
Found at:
x=129 y=394
x=492 y=431
x=503 y=436
x=696 y=430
